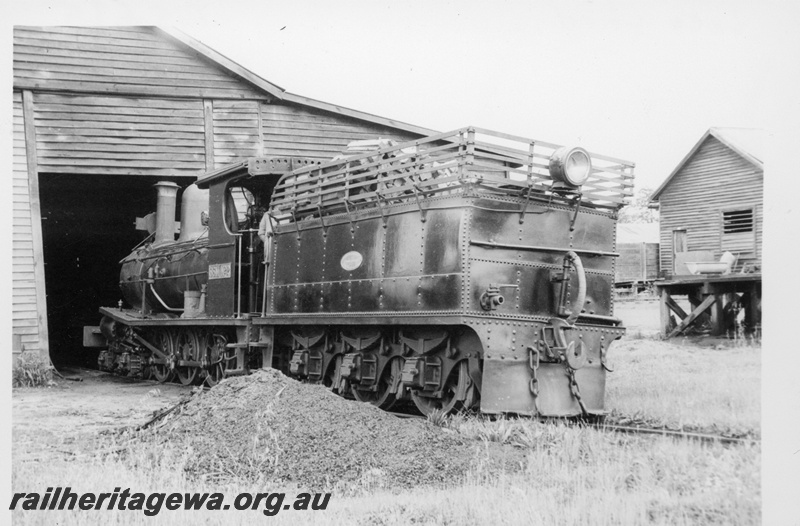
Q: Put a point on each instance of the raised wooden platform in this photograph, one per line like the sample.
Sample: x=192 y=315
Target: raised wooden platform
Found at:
x=714 y=298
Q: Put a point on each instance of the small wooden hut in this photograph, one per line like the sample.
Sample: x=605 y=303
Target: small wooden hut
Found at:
x=713 y=201
x=711 y=215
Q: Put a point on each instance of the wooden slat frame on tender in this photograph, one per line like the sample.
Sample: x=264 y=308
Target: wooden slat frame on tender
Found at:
x=505 y=169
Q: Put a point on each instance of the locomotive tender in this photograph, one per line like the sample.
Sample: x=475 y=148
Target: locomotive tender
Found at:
x=469 y=269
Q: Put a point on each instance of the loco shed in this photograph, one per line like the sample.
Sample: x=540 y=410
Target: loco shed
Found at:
x=466 y=270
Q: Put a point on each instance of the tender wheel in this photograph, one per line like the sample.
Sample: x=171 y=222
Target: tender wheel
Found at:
x=213 y=345
x=187 y=348
x=162 y=372
x=388 y=381
x=457 y=381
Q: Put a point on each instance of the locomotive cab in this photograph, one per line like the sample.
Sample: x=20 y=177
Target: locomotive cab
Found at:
x=239 y=197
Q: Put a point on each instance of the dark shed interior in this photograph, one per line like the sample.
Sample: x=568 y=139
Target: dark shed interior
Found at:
x=88 y=226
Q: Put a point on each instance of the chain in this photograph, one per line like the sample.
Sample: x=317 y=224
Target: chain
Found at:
x=576 y=390
x=533 y=363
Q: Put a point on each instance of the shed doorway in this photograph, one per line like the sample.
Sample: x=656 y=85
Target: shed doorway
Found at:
x=87 y=228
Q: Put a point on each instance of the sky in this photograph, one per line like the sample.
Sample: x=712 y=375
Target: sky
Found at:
x=637 y=80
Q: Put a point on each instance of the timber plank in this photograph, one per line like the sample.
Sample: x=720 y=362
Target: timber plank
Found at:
x=310 y=120
x=88 y=133
x=99 y=70
x=33 y=40
x=23 y=322
x=123 y=112
x=23 y=310
x=139 y=33
x=237 y=128
x=103 y=77
x=115 y=171
x=341 y=133
x=129 y=89
x=28 y=333
x=120 y=60
x=296 y=112
x=118 y=148
x=235 y=154
x=24 y=279
x=58 y=161
x=293 y=147
x=236 y=107
x=89 y=142
x=112 y=125
x=117 y=118
x=289 y=139
x=44 y=34
x=121 y=156
x=120 y=100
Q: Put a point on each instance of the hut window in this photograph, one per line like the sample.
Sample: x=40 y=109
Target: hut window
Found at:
x=738 y=230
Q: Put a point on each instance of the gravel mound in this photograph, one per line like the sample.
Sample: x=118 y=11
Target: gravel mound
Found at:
x=268 y=427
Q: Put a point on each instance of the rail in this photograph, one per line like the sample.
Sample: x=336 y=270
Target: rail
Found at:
x=445 y=163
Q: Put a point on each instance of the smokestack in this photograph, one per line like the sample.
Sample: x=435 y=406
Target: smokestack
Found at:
x=165 y=212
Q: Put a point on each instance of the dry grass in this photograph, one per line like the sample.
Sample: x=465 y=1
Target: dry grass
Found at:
x=683 y=386
x=568 y=476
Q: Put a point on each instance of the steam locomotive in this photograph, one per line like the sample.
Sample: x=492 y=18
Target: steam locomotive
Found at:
x=464 y=270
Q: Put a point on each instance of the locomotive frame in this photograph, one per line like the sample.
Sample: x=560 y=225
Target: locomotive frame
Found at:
x=441 y=270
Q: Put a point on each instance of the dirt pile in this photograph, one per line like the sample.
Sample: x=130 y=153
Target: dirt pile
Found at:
x=268 y=427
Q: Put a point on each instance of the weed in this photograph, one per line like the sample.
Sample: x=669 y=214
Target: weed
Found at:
x=438 y=418
x=32 y=370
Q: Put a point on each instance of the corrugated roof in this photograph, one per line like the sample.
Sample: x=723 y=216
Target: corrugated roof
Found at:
x=637 y=233
x=746 y=142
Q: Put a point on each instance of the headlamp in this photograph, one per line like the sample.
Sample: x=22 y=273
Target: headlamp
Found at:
x=570 y=166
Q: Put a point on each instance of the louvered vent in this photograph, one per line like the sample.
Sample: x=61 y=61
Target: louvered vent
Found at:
x=737 y=221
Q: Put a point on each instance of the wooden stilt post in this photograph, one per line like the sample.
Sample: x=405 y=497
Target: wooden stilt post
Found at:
x=717 y=313
x=665 y=312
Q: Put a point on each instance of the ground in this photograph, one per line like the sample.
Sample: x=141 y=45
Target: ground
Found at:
x=68 y=435
x=71 y=418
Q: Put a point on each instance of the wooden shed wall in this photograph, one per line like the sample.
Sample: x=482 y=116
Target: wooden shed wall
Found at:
x=129 y=60
x=119 y=135
x=716 y=178
x=293 y=130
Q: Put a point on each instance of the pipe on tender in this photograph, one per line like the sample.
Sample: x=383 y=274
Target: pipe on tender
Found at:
x=165 y=212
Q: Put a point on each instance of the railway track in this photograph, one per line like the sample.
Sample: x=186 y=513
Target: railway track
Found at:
x=641 y=430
